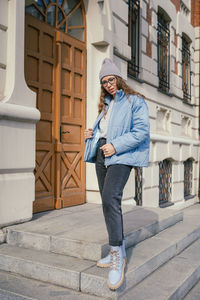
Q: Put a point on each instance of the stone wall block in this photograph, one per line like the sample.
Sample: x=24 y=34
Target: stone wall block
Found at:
x=120 y=8
x=162 y=151
x=150 y=197
x=4 y=12
x=3 y=53
x=144 y=28
x=120 y=29
x=177 y=191
x=143 y=9
x=144 y=43
x=154 y=19
x=2 y=82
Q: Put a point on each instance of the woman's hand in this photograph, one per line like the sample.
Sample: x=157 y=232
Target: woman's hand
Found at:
x=108 y=150
x=88 y=133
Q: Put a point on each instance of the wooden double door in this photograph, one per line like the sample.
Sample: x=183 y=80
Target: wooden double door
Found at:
x=55 y=69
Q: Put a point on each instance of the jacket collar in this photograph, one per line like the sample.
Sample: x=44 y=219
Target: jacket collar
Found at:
x=119 y=95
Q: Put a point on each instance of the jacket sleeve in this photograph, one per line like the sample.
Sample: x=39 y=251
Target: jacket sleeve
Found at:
x=139 y=129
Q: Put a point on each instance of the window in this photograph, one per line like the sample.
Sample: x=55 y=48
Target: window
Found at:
x=163 y=36
x=165 y=181
x=133 y=41
x=187 y=178
x=65 y=15
x=138 y=185
x=186 y=74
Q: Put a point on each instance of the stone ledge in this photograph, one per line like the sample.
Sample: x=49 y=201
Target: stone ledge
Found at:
x=19 y=113
x=175 y=140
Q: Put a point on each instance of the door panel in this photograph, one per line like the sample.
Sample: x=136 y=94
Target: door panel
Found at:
x=55 y=65
x=40 y=59
x=72 y=119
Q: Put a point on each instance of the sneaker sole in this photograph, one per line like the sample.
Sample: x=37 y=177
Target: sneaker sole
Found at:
x=107 y=265
x=103 y=265
x=115 y=287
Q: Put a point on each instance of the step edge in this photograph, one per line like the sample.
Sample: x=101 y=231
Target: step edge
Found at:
x=49 y=245
x=31 y=264
x=174 y=253
x=17 y=294
x=183 y=290
x=82 y=272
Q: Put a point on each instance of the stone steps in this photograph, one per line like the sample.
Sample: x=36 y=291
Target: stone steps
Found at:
x=171 y=281
x=194 y=293
x=16 y=287
x=86 y=237
x=83 y=275
x=143 y=259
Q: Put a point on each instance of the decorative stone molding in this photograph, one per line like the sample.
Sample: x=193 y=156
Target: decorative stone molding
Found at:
x=2 y=66
x=168 y=7
x=2 y=27
x=186 y=125
x=2 y=237
x=184 y=8
x=163 y=119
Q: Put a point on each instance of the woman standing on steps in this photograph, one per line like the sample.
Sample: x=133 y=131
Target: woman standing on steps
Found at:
x=123 y=123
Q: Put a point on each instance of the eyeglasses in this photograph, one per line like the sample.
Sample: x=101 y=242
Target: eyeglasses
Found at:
x=110 y=80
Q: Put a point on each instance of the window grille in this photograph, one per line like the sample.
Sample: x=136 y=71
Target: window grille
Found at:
x=138 y=185
x=188 y=170
x=133 y=41
x=165 y=181
x=65 y=15
x=163 y=36
x=186 y=73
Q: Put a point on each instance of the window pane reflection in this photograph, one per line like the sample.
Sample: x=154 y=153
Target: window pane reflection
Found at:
x=76 y=18
x=51 y=16
x=62 y=28
x=69 y=5
x=77 y=33
x=34 y=12
x=60 y=16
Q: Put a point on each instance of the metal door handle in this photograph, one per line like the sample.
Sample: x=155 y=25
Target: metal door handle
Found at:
x=63 y=132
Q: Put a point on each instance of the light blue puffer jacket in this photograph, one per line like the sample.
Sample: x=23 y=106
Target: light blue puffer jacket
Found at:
x=128 y=130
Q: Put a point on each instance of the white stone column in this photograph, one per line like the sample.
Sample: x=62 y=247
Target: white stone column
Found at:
x=18 y=116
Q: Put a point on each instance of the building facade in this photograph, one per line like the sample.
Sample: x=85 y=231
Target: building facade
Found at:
x=50 y=59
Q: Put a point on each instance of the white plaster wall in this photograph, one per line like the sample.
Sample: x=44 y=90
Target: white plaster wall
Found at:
x=3 y=41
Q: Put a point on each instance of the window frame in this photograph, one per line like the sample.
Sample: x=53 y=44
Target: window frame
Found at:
x=138 y=185
x=186 y=61
x=134 y=25
x=188 y=172
x=57 y=15
x=163 y=26
x=165 y=182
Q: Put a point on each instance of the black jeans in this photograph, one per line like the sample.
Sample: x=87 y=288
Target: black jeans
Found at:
x=112 y=180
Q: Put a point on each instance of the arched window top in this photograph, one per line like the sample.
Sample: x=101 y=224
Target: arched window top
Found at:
x=164 y=18
x=186 y=38
x=65 y=15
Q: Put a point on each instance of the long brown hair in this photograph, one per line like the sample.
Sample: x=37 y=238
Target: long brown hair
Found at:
x=121 y=85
